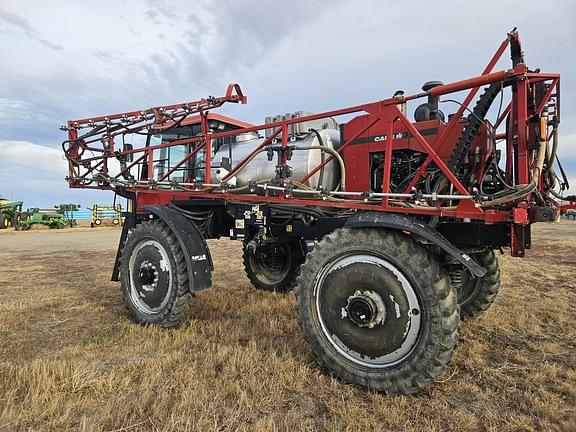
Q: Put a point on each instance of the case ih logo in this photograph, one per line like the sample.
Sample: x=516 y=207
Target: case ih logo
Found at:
x=398 y=135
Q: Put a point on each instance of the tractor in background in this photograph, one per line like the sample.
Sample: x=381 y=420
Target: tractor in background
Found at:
x=57 y=217
x=10 y=213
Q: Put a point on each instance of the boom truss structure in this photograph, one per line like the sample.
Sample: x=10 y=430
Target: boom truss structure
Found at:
x=98 y=157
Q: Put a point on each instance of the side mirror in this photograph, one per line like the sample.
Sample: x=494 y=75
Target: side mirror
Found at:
x=130 y=156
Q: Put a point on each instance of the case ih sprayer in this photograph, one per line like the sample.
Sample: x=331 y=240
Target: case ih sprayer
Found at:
x=385 y=226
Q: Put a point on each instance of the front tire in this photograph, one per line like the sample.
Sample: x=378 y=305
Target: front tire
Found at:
x=273 y=266
x=154 y=276
x=377 y=310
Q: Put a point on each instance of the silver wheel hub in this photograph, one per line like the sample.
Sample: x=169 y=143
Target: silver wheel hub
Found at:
x=148 y=276
x=365 y=309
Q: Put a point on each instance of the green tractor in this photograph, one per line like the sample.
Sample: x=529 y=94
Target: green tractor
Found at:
x=10 y=213
x=67 y=210
x=58 y=217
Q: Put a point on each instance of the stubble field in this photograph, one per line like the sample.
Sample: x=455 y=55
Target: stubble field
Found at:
x=71 y=360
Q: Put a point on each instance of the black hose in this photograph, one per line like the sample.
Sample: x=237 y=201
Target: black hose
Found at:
x=472 y=128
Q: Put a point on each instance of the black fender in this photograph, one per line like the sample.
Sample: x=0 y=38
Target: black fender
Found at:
x=414 y=227
x=196 y=253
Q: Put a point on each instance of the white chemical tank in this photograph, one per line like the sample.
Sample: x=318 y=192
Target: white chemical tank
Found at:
x=260 y=169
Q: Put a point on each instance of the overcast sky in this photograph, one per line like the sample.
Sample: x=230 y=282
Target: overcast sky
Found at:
x=61 y=60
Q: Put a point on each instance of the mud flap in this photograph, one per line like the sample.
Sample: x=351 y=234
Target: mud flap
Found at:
x=414 y=227
x=193 y=244
x=129 y=223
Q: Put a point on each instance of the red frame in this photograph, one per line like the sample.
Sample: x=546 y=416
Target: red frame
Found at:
x=520 y=148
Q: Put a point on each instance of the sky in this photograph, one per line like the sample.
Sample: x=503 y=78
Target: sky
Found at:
x=61 y=60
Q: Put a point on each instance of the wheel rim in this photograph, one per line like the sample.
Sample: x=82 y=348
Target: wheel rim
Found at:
x=271 y=262
x=367 y=310
x=150 y=277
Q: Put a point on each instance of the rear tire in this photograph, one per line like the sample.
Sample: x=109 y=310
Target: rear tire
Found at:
x=377 y=310
x=154 y=276
x=476 y=295
x=3 y=221
x=273 y=266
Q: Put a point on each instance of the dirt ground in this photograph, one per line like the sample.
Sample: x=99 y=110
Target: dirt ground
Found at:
x=71 y=360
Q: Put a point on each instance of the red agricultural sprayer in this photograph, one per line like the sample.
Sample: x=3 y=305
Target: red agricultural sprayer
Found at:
x=386 y=227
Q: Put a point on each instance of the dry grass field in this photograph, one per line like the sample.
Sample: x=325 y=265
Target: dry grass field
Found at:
x=71 y=360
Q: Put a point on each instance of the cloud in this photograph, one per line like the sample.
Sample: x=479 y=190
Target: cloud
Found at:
x=30 y=156
x=312 y=56
x=21 y=24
